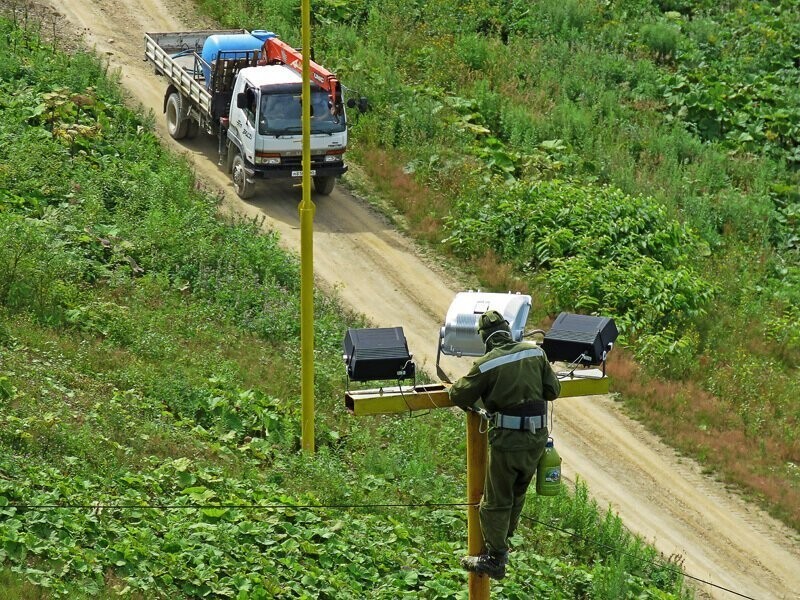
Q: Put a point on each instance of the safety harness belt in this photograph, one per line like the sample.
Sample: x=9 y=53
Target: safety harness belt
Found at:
x=519 y=423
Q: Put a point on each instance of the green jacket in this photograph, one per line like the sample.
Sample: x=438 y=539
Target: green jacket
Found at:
x=509 y=374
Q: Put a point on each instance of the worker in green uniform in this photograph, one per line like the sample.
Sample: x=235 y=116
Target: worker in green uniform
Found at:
x=514 y=381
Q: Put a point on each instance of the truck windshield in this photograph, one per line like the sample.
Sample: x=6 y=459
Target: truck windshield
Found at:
x=280 y=114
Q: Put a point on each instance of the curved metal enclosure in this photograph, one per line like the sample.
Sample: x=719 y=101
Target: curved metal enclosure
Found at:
x=459 y=336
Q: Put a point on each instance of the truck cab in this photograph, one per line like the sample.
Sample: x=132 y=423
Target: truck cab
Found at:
x=245 y=89
x=265 y=130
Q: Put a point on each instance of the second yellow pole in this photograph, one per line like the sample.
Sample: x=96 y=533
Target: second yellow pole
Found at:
x=306 y=209
x=477 y=444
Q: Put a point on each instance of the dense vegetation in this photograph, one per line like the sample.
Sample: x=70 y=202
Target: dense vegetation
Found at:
x=148 y=375
x=635 y=158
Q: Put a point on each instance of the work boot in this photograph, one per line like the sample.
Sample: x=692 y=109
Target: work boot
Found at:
x=491 y=564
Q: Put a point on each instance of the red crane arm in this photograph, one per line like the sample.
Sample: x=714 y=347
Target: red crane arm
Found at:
x=276 y=51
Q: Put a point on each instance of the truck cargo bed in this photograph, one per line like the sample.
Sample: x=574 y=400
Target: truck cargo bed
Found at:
x=176 y=55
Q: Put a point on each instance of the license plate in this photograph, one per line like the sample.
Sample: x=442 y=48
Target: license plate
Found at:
x=300 y=173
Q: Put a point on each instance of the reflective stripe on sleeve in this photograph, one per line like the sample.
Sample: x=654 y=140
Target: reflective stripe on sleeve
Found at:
x=509 y=358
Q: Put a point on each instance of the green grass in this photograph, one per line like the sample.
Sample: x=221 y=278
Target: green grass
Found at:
x=149 y=358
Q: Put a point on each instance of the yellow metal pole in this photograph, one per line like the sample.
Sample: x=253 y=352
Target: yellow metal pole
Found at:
x=306 y=209
x=477 y=444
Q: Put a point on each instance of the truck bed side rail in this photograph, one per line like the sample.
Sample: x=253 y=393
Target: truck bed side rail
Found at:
x=159 y=49
x=173 y=42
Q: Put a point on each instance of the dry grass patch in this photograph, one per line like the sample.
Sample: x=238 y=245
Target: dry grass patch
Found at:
x=496 y=275
x=711 y=431
x=420 y=207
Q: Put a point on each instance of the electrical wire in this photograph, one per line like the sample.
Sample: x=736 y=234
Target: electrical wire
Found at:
x=575 y=374
x=408 y=406
x=228 y=506
x=403 y=396
x=652 y=562
x=429 y=396
x=572 y=365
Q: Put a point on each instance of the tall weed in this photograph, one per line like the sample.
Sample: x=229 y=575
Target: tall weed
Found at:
x=662 y=39
x=561 y=20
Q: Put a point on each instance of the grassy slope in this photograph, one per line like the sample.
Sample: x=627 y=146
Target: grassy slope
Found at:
x=671 y=124
x=149 y=358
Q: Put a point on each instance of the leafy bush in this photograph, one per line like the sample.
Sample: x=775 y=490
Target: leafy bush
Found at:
x=738 y=84
x=600 y=250
x=564 y=20
x=785 y=331
x=671 y=354
x=473 y=50
x=35 y=273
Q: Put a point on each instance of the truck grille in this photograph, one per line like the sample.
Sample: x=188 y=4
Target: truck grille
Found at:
x=317 y=160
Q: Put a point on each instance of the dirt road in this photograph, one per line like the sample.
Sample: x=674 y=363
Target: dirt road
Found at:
x=659 y=495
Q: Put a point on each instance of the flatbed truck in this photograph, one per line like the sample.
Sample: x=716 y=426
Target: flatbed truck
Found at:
x=245 y=88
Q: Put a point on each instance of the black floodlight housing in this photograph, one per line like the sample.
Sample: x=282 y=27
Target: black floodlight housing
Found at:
x=377 y=354
x=580 y=339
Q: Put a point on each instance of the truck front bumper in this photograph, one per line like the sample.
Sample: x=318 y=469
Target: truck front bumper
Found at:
x=295 y=171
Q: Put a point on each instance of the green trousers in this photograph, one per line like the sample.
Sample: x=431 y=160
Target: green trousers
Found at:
x=513 y=456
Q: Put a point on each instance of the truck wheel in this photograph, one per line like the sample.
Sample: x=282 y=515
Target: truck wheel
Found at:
x=176 y=125
x=244 y=189
x=324 y=185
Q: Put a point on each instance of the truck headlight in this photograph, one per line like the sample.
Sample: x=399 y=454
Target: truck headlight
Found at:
x=263 y=158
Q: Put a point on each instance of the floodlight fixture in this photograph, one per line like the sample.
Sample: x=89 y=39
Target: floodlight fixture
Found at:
x=459 y=336
x=377 y=354
x=580 y=339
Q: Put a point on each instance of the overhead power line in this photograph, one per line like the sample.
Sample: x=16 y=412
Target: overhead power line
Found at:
x=236 y=506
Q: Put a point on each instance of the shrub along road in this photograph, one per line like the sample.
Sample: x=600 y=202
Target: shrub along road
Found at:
x=659 y=495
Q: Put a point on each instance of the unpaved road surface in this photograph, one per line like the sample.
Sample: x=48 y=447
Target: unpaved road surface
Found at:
x=659 y=495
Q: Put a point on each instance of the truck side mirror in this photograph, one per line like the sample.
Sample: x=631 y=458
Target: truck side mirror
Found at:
x=361 y=103
x=241 y=100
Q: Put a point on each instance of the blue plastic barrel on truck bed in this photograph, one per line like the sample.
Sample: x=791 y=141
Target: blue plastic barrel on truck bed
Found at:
x=234 y=45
